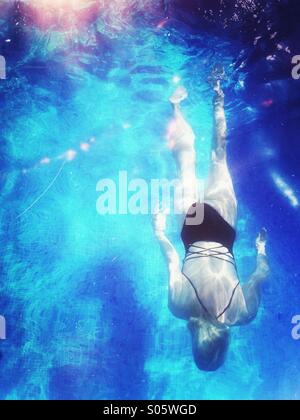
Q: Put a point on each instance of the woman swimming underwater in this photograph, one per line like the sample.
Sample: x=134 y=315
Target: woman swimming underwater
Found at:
x=207 y=291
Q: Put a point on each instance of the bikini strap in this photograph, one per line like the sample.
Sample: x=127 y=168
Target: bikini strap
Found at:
x=214 y=253
x=200 y=254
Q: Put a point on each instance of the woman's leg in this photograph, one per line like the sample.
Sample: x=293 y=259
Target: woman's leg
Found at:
x=181 y=139
x=219 y=192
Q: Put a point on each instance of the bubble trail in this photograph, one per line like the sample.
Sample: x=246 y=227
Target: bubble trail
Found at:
x=43 y=193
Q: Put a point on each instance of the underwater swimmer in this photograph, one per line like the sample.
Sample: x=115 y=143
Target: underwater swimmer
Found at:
x=207 y=291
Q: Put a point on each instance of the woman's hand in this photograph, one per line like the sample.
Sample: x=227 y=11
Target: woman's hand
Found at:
x=263 y=269
x=160 y=223
x=261 y=242
x=169 y=251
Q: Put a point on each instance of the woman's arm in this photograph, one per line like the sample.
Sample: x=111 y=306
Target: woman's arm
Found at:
x=252 y=289
x=168 y=250
x=172 y=259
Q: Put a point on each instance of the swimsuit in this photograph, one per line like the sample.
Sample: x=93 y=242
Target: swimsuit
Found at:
x=213 y=229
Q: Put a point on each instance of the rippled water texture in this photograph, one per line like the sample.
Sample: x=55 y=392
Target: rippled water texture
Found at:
x=85 y=296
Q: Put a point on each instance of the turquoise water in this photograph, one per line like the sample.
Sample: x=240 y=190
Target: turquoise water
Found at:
x=84 y=295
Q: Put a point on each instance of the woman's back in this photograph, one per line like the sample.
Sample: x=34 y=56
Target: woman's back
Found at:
x=214 y=286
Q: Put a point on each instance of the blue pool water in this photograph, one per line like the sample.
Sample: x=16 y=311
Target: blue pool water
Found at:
x=85 y=296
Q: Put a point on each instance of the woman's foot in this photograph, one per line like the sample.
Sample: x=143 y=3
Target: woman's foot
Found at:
x=217 y=75
x=179 y=95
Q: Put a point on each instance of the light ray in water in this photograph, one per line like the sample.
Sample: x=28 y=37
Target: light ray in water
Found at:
x=67 y=156
x=70 y=14
x=285 y=190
